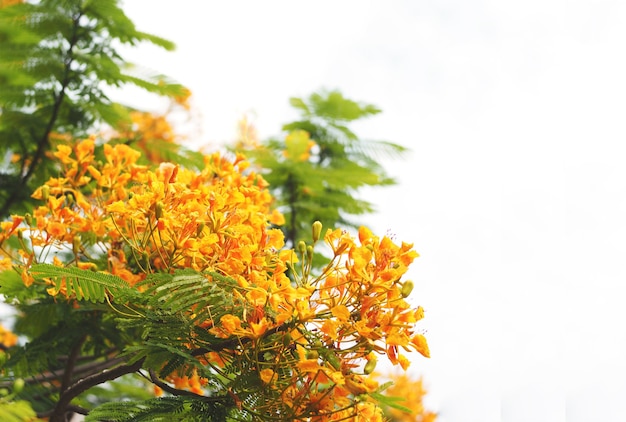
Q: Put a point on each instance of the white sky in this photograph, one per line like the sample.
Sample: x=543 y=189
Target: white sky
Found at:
x=514 y=193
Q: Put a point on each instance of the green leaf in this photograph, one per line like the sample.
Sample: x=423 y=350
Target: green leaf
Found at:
x=11 y=284
x=154 y=83
x=299 y=104
x=85 y=284
x=390 y=401
x=156 y=40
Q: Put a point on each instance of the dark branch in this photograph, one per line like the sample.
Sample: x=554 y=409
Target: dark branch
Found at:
x=83 y=370
x=58 y=413
x=71 y=363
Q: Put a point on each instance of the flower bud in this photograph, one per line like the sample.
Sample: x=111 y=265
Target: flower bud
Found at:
x=369 y=367
x=317 y=231
x=309 y=253
x=334 y=361
x=287 y=340
x=301 y=247
x=45 y=192
x=18 y=385
x=76 y=244
x=407 y=288
x=199 y=229
x=312 y=354
x=29 y=219
x=145 y=257
x=158 y=210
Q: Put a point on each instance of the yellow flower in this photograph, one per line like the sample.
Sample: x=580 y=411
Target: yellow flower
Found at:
x=257 y=329
x=230 y=323
x=330 y=327
x=63 y=154
x=368 y=412
x=7 y=338
x=341 y=312
x=267 y=375
x=421 y=345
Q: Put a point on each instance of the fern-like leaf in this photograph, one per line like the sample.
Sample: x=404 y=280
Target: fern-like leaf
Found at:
x=85 y=284
x=159 y=409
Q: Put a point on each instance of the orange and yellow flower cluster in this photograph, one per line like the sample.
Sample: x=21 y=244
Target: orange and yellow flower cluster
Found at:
x=311 y=339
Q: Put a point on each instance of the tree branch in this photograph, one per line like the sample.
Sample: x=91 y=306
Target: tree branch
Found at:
x=83 y=370
x=71 y=363
x=58 y=413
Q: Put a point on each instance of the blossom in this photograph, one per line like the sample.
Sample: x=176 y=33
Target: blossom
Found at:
x=311 y=336
x=7 y=338
x=267 y=375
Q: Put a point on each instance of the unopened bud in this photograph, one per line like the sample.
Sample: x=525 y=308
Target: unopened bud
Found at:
x=158 y=210
x=145 y=258
x=312 y=354
x=369 y=367
x=309 y=252
x=407 y=288
x=287 y=340
x=302 y=247
x=29 y=219
x=45 y=192
x=334 y=360
x=199 y=229
x=76 y=244
x=317 y=231
x=18 y=385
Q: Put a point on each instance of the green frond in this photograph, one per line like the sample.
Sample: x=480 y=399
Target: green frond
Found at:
x=166 y=409
x=187 y=289
x=156 y=40
x=39 y=319
x=332 y=105
x=57 y=60
x=85 y=284
x=325 y=186
x=154 y=83
x=12 y=287
x=388 y=401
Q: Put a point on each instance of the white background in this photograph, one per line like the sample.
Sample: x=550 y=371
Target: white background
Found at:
x=514 y=193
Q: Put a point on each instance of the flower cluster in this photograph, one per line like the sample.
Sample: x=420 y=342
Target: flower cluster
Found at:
x=310 y=340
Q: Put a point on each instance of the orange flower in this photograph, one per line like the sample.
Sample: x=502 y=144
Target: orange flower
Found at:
x=420 y=344
x=7 y=338
x=267 y=375
x=230 y=323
